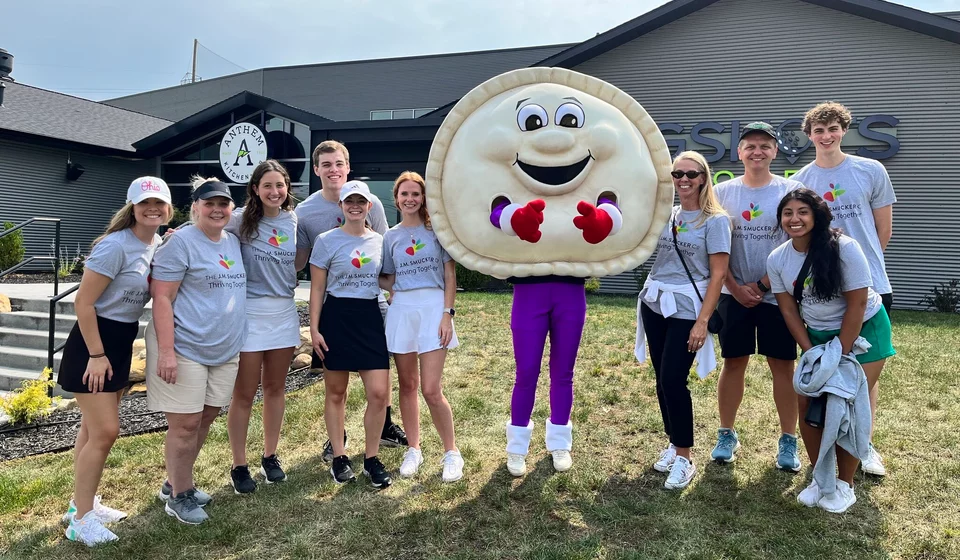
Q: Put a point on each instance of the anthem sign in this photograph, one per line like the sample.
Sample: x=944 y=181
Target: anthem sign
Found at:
x=242 y=149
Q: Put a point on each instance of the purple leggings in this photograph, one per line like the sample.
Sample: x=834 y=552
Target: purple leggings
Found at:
x=561 y=309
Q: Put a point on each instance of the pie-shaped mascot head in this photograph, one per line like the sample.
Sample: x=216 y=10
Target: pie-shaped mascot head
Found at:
x=544 y=171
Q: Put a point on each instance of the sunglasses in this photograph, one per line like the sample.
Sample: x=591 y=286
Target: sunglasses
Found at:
x=689 y=174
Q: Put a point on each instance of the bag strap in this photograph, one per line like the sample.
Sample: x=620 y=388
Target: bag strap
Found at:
x=801 y=278
x=676 y=246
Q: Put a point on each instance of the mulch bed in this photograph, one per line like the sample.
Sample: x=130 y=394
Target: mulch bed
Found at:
x=37 y=278
x=58 y=431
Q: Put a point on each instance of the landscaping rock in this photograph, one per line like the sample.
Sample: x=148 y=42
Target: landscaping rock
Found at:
x=138 y=368
x=306 y=344
x=301 y=361
x=5 y=307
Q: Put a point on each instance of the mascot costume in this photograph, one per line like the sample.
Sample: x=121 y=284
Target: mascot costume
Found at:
x=545 y=177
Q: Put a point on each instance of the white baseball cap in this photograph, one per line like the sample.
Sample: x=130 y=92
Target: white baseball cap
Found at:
x=355 y=187
x=148 y=187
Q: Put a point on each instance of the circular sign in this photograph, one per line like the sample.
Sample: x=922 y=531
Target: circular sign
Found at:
x=242 y=149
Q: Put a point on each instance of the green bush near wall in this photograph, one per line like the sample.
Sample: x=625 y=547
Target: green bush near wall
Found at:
x=11 y=248
x=473 y=281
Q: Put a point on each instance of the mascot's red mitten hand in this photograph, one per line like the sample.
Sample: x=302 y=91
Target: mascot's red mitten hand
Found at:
x=595 y=222
x=525 y=221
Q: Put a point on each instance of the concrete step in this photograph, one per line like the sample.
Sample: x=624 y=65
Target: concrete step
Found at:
x=29 y=338
x=64 y=307
x=36 y=320
x=29 y=359
x=11 y=378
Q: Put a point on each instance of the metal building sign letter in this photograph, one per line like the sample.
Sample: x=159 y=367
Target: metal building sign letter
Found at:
x=242 y=149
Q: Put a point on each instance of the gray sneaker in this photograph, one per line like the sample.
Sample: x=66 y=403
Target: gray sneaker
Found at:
x=185 y=508
x=166 y=492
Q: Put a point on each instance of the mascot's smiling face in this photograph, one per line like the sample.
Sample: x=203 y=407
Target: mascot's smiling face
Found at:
x=559 y=136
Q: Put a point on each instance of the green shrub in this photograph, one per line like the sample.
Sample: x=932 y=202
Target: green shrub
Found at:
x=944 y=298
x=30 y=402
x=180 y=216
x=640 y=276
x=472 y=281
x=592 y=285
x=11 y=248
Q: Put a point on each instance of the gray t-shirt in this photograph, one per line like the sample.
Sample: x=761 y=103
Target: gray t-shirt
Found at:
x=784 y=265
x=696 y=243
x=317 y=215
x=269 y=257
x=209 y=313
x=854 y=189
x=415 y=256
x=352 y=263
x=755 y=229
x=125 y=260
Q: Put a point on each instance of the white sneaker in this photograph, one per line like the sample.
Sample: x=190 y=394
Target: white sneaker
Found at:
x=105 y=513
x=452 y=466
x=89 y=530
x=411 y=462
x=681 y=473
x=667 y=457
x=810 y=495
x=840 y=501
x=517 y=464
x=562 y=461
x=874 y=464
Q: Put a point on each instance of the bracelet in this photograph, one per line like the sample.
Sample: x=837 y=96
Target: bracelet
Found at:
x=102 y=355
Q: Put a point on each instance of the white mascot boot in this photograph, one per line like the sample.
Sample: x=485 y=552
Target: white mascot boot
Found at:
x=518 y=444
x=559 y=443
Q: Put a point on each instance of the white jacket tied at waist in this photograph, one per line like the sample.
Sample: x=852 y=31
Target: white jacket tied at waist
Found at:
x=706 y=355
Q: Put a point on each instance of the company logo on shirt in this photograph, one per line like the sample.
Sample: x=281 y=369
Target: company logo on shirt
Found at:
x=680 y=227
x=225 y=262
x=278 y=238
x=834 y=193
x=339 y=222
x=753 y=212
x=359 y=259
x=806 y=282
x=415 y=245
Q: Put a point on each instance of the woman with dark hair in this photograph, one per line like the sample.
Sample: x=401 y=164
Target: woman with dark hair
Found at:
x=96 y=359
x=838 y=302
x=267 y=229
x=422 y=279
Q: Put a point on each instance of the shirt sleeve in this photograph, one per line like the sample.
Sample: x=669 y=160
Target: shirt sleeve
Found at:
x=303 y=238
x=855 y=269
x=378 y=217
x=320 y=257
x=775 y=272
x=171 y=260
x=106 y=258
x=233 y=226
x=387 y=267
x=882 y=193
x=718 y=234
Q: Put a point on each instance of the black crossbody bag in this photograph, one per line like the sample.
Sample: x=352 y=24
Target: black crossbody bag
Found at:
x=816 y=415
x=716 y=321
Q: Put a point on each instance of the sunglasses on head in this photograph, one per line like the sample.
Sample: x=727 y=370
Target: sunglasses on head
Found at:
x=689 y=174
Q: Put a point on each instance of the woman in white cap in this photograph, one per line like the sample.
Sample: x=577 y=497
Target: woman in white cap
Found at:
x=199 y=324
x=422 y=279
x=96 y=359
x=346 y=328
x=267 y=228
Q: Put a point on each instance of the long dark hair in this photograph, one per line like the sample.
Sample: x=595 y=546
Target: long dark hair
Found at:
x=824 y=248
x=253 y=212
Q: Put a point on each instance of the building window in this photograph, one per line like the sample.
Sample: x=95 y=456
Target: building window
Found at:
x=391 y=114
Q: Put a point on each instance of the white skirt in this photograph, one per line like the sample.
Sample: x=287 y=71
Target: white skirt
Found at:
x=272 y=323
x=413 y=322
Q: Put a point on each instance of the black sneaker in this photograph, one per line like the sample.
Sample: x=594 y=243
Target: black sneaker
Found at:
x=328 y=448
x=241 y=481
x=373 y=468
x=342 y=470
x=270 y=469
x=393 y=436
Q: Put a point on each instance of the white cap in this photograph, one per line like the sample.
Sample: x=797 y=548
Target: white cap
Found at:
x=148 y=187
x=355 y=187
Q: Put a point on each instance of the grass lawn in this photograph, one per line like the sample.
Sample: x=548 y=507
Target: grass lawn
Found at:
x=611 y=505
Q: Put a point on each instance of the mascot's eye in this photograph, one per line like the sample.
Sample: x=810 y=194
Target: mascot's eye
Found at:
x=570 y=115
x=532 y=117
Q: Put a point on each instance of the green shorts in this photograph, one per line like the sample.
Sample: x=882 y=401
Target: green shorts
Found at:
x=876 y=330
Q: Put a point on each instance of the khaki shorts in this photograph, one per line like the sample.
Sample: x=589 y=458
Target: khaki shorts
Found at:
x=197 y=385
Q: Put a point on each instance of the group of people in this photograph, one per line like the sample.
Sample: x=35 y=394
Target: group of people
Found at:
x=225 y=322
x=769 y=263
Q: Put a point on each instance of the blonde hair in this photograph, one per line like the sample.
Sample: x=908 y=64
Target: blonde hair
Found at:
x=416 y=178
x=196 y=182
x=125 y=218
x=709 y=205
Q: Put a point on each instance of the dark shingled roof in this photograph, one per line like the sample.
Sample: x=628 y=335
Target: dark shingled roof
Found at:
x=30 y=110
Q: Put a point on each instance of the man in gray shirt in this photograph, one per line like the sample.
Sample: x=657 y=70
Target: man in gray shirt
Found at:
x=320 y=213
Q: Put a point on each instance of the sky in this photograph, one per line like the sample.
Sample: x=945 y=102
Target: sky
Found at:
x=101 y=49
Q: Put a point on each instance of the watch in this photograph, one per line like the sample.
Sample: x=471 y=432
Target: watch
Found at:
x=763 y=287
x=450 y=310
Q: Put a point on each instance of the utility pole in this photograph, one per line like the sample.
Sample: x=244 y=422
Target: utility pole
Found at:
x=193 y=72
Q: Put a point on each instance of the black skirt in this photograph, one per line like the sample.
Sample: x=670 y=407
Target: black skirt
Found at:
x=117 y=341
x=353 y=331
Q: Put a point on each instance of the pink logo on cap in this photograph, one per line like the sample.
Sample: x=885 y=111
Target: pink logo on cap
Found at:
x=150 y=186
